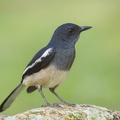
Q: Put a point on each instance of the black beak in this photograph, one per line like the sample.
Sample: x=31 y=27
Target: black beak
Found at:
x=83 y=28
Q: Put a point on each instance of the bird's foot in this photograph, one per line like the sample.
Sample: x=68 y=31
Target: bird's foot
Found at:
x=47 y=105
x=53 y=105
x=68 y=104
x=56 y=105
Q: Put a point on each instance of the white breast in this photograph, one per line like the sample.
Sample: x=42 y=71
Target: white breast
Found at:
x=48 y=77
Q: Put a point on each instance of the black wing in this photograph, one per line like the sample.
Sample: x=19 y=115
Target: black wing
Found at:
x=39 y=61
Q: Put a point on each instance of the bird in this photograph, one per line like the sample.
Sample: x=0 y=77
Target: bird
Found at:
x=50 y=66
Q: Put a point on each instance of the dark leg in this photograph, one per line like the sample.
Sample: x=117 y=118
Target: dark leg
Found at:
x=63 y=102
x=52 y=90
x=40 y=90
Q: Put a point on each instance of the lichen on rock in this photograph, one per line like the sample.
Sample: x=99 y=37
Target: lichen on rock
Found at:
x=79 y=112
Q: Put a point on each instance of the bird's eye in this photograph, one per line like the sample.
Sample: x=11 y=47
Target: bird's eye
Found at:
x=71 y=31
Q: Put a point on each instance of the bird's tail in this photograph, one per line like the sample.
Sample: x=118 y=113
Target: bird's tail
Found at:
x=9 y=100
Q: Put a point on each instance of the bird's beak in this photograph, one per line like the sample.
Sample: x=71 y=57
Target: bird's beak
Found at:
x=83 y=28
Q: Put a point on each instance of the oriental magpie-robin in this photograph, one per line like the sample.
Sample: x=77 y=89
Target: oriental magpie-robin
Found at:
x=50 y=66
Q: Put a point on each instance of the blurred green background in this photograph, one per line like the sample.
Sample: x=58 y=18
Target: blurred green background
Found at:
x=27 y=25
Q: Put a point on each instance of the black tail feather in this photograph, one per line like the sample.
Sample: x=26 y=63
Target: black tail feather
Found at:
x=10 y=99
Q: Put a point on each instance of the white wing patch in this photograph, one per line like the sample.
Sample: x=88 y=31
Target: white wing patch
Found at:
x=45 y=54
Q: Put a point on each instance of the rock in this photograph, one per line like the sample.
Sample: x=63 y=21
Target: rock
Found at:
x=79 y=112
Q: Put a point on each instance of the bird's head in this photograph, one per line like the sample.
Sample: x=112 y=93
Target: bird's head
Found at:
x=68 y=34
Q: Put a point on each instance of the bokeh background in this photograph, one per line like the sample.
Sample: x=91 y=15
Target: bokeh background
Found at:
x=27 y=25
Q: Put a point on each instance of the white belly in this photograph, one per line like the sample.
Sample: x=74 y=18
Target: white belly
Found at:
x=48 y=77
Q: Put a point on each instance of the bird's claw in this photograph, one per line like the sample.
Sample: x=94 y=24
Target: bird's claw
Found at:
x=69 y=104
x=53 y=105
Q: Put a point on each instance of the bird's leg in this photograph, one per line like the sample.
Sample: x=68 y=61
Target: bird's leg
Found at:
x=52 y=90
x=40 y=90
x=63 y=102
